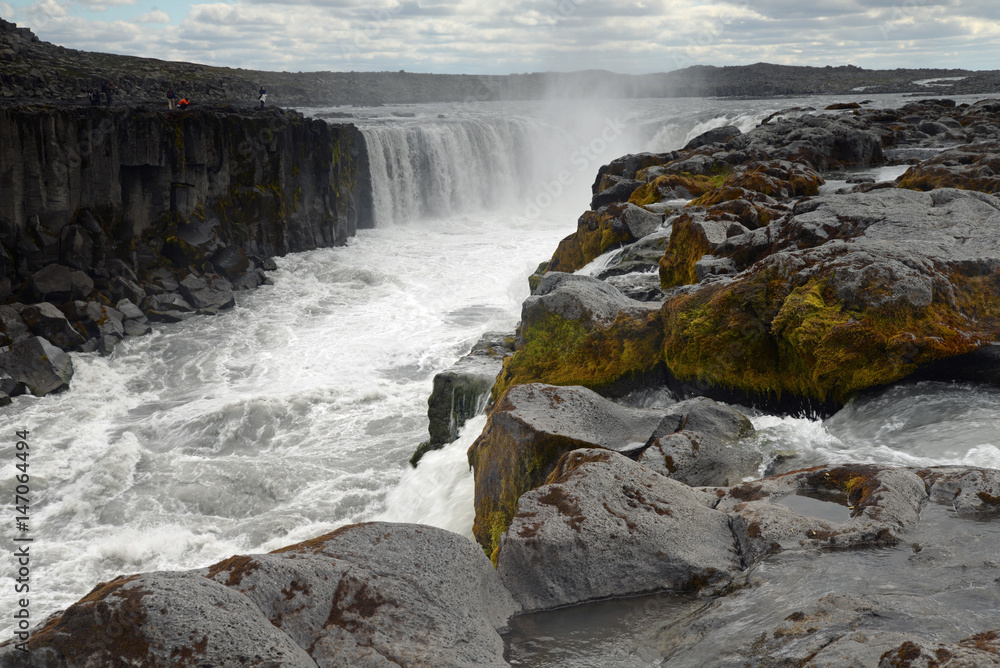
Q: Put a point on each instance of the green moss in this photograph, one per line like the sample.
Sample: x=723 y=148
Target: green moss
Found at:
x=595 y=234
x=696 y=184
x=687 y=245
x=558 y=351
x=509 y=463
x=760 y=335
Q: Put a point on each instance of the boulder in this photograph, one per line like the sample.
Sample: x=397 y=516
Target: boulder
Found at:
x=58 y=283
x=615 y=189
x=167 y=307
x=231 y=261
x=10 y=387
x=822 y=142
x=38 y=364
x=76 y=248
x=604 y=526
x=208 y=294
x=463 y=390
x=48 y=322
x=698 y=443
x=577 y=330
x=380 y=594
x=12 y=325
x=970 y=167
x=527 y=432
x=713 y=136
x=600 y=231
x=130 y=311
x=160 y=619
x=846 y=293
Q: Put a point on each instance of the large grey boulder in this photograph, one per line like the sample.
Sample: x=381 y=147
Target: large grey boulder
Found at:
x=714 y=136
x=808 y=312
x=380 y=594
x=699 y=443
x=527 y=432
x=160 y=620
x=38 y=364
x=606 y=526
x=372 y=595
x=821 y=141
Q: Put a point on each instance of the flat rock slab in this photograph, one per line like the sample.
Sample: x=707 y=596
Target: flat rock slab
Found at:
x=606 y=526
x=864 y=505
x=530 y=428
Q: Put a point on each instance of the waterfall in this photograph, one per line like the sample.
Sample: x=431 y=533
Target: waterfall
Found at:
x=447 y=167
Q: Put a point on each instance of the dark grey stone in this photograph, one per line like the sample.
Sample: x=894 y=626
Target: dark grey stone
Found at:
x=607 y=526
x=209 y=293
x=38 y=364
x=45 y=320
x=699 y=443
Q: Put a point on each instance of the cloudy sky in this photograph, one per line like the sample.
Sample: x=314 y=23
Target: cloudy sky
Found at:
x=487 y=36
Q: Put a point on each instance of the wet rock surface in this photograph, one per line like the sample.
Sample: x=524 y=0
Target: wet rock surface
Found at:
x=527 y=432
x=365 y=595
x=606 y=526
x=698 y=444
x=462 y=391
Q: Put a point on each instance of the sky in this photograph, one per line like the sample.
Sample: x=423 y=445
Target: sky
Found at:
x=503 y=37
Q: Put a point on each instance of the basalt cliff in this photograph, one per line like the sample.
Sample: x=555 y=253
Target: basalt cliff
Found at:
x=114 y=216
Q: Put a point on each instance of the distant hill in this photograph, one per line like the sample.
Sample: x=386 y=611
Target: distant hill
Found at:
x=33 y=70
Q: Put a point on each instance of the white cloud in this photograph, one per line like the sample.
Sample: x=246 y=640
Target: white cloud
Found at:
x=476 y=36
x=155 y=16
x=101 y=5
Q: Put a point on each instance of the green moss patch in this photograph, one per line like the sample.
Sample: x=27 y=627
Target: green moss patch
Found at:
x=571 y=352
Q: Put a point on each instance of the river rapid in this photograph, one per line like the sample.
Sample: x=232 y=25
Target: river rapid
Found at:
x=296 y=412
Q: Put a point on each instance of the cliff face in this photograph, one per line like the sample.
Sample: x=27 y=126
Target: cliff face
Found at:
x=86 y=187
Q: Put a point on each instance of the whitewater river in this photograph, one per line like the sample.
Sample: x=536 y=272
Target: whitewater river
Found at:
x=296 y=412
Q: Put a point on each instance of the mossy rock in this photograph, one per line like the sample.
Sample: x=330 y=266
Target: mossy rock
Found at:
x=830 y=321
x=580 y=331
x=530 y=428
x=599 y=231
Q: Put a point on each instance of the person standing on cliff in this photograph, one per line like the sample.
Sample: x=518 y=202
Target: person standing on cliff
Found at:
x=170 y=98
x=262 y=96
